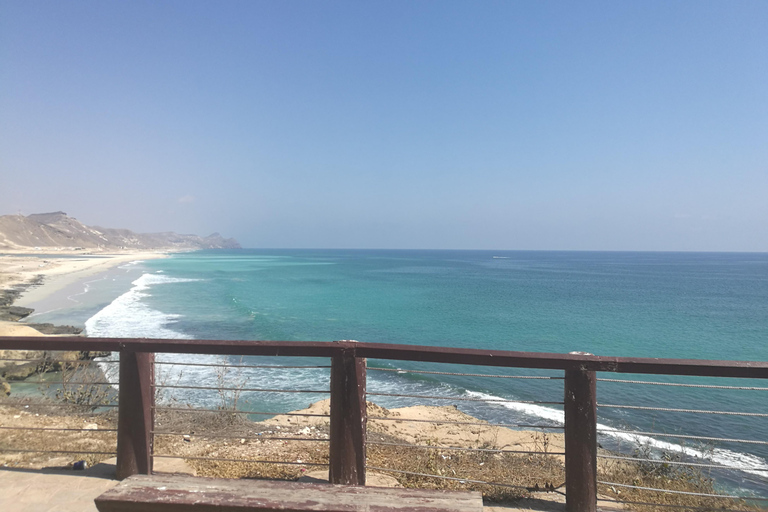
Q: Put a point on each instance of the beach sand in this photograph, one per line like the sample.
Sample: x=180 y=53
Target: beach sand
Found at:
x=42 y=275
x=437 y=425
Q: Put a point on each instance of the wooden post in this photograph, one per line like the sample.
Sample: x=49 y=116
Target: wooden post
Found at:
x=348 y=420
x=580 y=441
x=135 y=418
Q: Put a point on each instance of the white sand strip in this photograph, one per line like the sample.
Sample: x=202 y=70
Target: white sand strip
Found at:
x=61 y=272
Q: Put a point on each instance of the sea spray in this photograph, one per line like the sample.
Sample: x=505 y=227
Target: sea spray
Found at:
x=129 y=317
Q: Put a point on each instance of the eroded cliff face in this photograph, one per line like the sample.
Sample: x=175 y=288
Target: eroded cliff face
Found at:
x=58 y=230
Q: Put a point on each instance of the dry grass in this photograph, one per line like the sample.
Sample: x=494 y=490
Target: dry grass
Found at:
x=522 y=473
x=223 y=435
x=33 y=414
x=668 y=477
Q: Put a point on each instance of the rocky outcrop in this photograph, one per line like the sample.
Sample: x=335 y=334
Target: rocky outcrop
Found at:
x=8 y=296
x=22 y=364
x=14 y=313
x=59 y=230
x=56 y=329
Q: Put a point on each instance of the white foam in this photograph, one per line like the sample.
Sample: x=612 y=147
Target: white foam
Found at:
x=732 y=460
x=219 y=378
x=129 y=317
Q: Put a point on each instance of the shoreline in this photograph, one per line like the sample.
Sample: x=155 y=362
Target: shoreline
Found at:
x=27 y=279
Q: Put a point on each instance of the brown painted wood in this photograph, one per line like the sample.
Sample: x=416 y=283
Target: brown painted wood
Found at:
x=580 y=441
x=348 y=420
x=171 y=493
x=135 y=415
x=500 y=358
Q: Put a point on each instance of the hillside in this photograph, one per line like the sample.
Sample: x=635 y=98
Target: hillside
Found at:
x=60 y=231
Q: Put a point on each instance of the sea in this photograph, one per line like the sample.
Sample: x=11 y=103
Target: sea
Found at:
x=643 y=304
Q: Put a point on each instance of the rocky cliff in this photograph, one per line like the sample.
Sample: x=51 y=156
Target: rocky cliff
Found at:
x=58 y=230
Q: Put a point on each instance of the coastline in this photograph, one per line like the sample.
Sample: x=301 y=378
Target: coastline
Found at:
x=27 y=279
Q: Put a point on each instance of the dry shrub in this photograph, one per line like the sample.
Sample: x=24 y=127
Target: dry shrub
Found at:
x=223 y=435
x=529 y=472
x=671 y=477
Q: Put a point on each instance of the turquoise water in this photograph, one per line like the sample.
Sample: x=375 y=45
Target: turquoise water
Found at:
x=671 y=305
x=711 y=306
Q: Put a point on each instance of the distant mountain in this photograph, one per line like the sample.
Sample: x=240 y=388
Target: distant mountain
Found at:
x=58 y=230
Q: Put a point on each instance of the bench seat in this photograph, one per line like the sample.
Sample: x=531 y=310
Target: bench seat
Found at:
x=177 y=493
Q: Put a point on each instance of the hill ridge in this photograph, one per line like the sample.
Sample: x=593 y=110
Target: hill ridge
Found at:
x=59 y=230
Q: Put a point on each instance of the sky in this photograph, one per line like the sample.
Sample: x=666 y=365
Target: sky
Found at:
x=393 y=124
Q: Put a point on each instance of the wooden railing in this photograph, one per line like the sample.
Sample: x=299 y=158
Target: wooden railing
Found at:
x=348 y=383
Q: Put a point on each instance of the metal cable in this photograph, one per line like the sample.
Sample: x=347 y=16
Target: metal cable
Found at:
x=687 y=507
x=696 y=411
x=62 y=429
x=466 y=374
x=251 y=461
x=462 y=480
x=700 y=438
x=240 y=412
x=225 y=436
x=745 y=388
x=679 y=463
x=500 y=400
x=458 y=449
x=443 y=422
x=685 y=493
x=216 y=388
x=73 y=383
x=58 y=405
x=57 y=451
x=221 y=365
x=76 y=361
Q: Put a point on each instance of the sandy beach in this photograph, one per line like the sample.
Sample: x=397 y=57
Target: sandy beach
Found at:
x=41 y=275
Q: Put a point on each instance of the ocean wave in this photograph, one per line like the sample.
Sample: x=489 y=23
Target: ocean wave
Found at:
x=129 y=317
x=230 y=381
x=130 y=264
x=728 y=459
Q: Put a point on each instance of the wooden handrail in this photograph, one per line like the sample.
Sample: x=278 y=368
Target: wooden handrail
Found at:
x=478 y=357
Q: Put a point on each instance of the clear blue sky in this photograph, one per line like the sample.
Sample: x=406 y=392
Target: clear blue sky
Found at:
x=393 y=124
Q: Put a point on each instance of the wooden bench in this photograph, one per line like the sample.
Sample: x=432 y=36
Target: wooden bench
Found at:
x=175 y=493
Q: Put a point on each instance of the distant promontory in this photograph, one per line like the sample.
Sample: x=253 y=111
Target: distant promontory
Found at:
x=59 y=231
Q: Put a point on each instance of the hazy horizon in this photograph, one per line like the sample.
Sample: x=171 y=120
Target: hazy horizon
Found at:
x=596 y=126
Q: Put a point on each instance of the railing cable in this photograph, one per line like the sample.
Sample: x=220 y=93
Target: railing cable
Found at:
x=686 y=507
x=222 y=365
x=684 y=493
x=459 y=449
x=247 y=437
x=538 y=377
x=475 y=423
x=681 y=463
x=62 y=429
x=217 y=388
x=225 y=411
x=695 y=411
x=87 y=452
x=251 y=461
x=681 y=436
x=463 y=399
x=675 y=384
